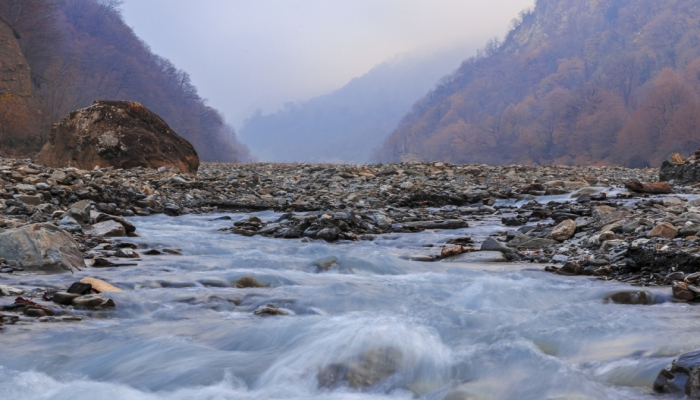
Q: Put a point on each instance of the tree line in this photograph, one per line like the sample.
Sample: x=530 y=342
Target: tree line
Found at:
x=574 y=82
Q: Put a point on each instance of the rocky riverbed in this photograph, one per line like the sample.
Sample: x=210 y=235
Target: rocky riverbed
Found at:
x=608 y=223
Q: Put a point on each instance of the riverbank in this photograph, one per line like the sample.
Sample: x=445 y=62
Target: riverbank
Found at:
x=573 y=220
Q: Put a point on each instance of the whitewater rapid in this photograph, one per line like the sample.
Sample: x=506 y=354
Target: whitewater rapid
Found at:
x=181 y=330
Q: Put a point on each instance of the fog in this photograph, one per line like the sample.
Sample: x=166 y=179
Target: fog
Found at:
x=249 y=55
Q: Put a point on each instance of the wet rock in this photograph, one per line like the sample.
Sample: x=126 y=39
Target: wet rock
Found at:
x=328 y=234
x=491 y=244
x=362 y=373
x=80 y=288
x=126 y=253
x=564 y=230
x=477 y=256
x=649 y=187
x=681 y=291
x=93 y=301
x=451 y=251
x=64 y=298
x=108 y=229
x=100 y=285
x=449 y=224
x=630 y=297
x=10 y=291
x=269 y=310
x=248 y=282
x=571 y=268
x=120 y=134
x=681 y=377
x=41 y=247
x=663 y=230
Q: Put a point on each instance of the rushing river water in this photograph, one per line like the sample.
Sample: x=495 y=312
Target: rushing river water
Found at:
x=454 y=330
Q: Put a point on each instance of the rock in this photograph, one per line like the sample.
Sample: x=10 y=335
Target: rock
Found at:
x=108 y=229
x=451 y=251
x=364 y=372
x=126 y=253
x=571 y=268
x=10 y=291
x=476 y=257
x=564 y=230
x=93 y=301
x=663 y=230
x=537 y=243
x=630 y=297
x=681 y=291
x=649 y=187
x=80 y=211
x=41 y=247
x=491 y=244
x=270 y=310
x=100 y=285
x=681 y=174
x=328 y=234
x=70 y=224
x=64 y=298
x=30 y=200
x=681 y=377
x=80 y=288
x=447 y=224
x=248 y=282
x=120 y=134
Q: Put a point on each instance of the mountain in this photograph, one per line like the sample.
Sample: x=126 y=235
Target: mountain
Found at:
x=345 y=125
x=574 y=82
x=78 y=51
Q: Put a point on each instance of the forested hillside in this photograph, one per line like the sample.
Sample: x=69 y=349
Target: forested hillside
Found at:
x=574 y=82
x=344 y=126
x=79 y=51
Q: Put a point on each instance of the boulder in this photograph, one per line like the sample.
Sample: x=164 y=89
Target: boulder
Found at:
x=564 y=230
x=120 y=134
x=41 y=247
x=649 y=187
x=681 y=174
x=630 y=297
x=681 y=377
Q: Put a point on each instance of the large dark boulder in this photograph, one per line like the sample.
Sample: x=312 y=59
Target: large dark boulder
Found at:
x=681 y=377
x=120 y=134
x=684 y=173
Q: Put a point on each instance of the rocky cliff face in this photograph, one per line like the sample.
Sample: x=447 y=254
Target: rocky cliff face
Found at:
x=14 y=71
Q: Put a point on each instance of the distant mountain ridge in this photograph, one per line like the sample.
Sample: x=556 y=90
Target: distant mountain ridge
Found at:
x=574 y=82
x=345 y=125
x=79 y=51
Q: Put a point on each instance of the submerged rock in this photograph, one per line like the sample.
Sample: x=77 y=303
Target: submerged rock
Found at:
x=630 y=297
x=248 y=282
x=366 y=371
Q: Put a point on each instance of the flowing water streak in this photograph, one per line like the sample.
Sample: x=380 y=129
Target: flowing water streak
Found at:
x=451 y=330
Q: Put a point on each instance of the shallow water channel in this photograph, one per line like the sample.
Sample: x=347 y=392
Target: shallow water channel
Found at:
x=449 y=330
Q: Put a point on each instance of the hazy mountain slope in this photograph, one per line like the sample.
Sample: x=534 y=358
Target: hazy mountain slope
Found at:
x=575 y=82
x=79 y=51
x=344 y=126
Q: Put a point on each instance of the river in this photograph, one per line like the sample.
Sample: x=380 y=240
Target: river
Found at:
x=446 y=330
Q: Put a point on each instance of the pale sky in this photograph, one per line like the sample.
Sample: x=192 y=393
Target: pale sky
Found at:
x=248 y=54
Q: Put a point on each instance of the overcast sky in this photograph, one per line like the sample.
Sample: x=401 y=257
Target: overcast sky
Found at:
x=248 y=54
